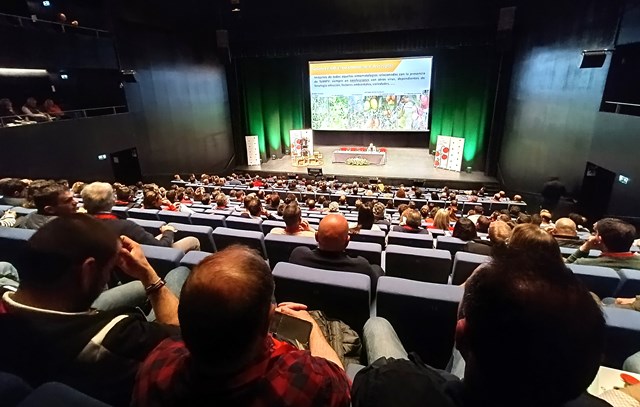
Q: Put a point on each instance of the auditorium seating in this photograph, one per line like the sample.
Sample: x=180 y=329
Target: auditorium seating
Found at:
x=13 y=243
x=602 y=281
x=424 y=316
x=341 y=295
x=622 y=335
x=409 y=239
x=629 y=283
x=151 y=226
x=267 y=225
x=451 y=244
x=370 y=251
x=162 y=259
x=371 y=236
x=279 y=247
x=428 y=265
x=193 y=257
x=120 y=211
x=213 y=221
x=244 y=223
x=464 y=264
x=173 y=216
x=225 y=237
x=147 y=214
x=4 y=208
x=204 y=234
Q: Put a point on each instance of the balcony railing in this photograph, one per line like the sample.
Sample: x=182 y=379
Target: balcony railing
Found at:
x=10 y=121
x=61 y=27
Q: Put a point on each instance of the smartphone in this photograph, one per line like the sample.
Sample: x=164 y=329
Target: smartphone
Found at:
x=290 y=329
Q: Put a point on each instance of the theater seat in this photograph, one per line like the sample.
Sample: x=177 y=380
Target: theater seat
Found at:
x=13 y=243
x=173 y=216
x=204 y=234
x=464 y=264
x=452 y=244
x=267 y=225
x=370 y=236
x=341 y=295
x=622 y=335
x=4 y=208
x=148 y=214
x=370 y=251
x=428 y=265
x=214 y=221
x=151 y=226
x=279 y=247
x=120 y=211
x=162 y=259
x=409 y=239
x=236 y=222
x=629 y=283
x=602 y=281
x=193 y=257
x=423 y=314
x=225 y=237
x=20 y=211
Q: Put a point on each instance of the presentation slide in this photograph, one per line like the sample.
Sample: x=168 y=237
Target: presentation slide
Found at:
x=371 y=94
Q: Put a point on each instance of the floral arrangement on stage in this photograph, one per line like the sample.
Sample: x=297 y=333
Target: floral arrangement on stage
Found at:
x=357 y=161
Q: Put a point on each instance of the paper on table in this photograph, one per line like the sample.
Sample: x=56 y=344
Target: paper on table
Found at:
x=607 y=379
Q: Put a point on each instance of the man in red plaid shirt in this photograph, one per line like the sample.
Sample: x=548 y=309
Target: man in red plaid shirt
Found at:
x=227 y=356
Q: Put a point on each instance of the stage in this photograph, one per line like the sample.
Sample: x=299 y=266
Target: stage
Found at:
x=403 y=166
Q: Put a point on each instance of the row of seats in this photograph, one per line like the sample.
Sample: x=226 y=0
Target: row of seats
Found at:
x=423 y=314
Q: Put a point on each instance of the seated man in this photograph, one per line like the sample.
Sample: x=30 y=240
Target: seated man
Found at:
x=51 y=200
x=333 y=238
x=228 y=357
x=49 y=327
x=31 y=111
x=499 y=232
x=13 y=191
x=98 y=200
x=566 y=233
x=508 y=319
x=254 y=209
x=295 y=226
x=410 y=222
x=614 y=237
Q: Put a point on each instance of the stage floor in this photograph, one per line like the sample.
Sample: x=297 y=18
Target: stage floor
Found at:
x=402 y=164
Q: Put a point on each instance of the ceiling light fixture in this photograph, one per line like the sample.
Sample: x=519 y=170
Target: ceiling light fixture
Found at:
x=23 y=72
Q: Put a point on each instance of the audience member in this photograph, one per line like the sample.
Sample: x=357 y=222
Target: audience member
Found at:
x=499 y=232
x=295 y=226
x=523 y=218
x=222 y=201
x=482 y=225
x=465 y=230
x=411 y=223
x=478 y=211
x=7 y=113
x=366 y=220
x=98 y=201
x=333 y=238
x=379 y=214
x=51 y=200
x=14 y=191
x=546 y=222
x=30 y=110
x=52 y=109
x=534 y=244
x=566 y=233
x=509 y=306
x=233 y=290
x=441 y=220
x=49 y=328
x=614 y=238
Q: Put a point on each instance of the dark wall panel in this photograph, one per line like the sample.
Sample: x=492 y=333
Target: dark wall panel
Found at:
x=553 y=105
x=66 y=149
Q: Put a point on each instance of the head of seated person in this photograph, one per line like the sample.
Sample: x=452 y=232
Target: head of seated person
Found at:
x=333 y=234
x=465 y=230
x=52 y=199
x=292 y=216
x=311 y=204
x=499 y=231
x=342 y=200
x=402 y=208
x=13 y=190
x=401 y=193
x=125 y=195
x=97 y=197
x=511 y=305
x=221 y=201
x=69 y=262
x=614 y=235
x=379 y=211
x=77 y=188
x=441 y=220
x=206 y=199
x=254 y=207
x=424 y=211
x=412 y=218
x=366 y=219
x=534 y=245
x=152 y=200
x=523 y=218
x=172 y=196
x=564 y=227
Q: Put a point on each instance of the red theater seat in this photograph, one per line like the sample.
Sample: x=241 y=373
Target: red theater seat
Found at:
x=353 y=149
x=344 y=149
x=362 y=149
x=382 y=150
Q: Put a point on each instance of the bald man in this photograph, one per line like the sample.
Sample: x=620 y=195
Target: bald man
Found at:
x=565 y=232
x=333 y=237
x=227 y=357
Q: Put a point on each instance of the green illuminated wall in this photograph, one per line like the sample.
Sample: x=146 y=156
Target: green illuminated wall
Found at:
x=463 y=85
x=273 y=102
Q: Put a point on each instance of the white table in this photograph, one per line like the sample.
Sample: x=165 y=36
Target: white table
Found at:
x=374 y=157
